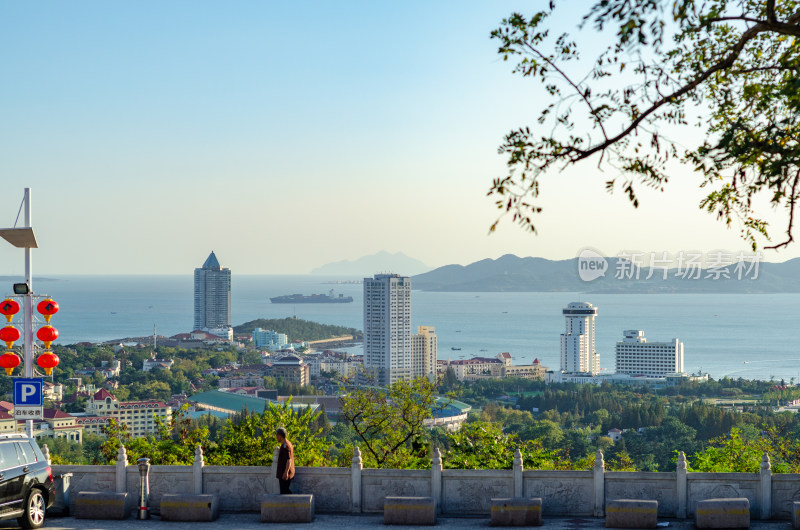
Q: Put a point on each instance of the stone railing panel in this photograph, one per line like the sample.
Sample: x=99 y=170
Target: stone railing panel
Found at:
x=701 y=486
x=661 y=487
x=163 y=479
x=785 y=491
x=467 y=491
x=239 y=488
x=87 y=478
x=562 y=492
x=376 y=484
x=331 y=487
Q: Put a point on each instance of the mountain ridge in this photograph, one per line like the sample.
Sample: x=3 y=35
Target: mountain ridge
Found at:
x=382 y=261
x=511 y=273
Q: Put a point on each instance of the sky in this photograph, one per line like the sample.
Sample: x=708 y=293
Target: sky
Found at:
x=287 y=135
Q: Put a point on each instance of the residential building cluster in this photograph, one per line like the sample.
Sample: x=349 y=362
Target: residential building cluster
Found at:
x=289 y=367
x=498 y=367
x=391 y=351
x=139 y=417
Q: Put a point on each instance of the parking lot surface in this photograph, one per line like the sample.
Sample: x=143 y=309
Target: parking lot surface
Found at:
x=249 y=521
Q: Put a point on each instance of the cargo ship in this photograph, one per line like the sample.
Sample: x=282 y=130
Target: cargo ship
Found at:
x=329 y=298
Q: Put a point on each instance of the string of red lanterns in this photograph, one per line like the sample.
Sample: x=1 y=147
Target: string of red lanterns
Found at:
x=47 y=334
x=9 y=334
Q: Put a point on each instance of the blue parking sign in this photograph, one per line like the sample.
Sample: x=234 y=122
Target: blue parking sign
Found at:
x=28 y=392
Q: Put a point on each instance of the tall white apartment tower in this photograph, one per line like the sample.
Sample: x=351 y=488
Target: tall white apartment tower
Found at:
x=212 y=295
x=577 y=342
x=387 y=328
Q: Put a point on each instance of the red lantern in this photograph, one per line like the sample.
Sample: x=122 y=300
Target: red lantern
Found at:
x=9 y=334
x=47 y=334
x=9 y=308
x=47 y=308
x=47 y=361
x=9 y=361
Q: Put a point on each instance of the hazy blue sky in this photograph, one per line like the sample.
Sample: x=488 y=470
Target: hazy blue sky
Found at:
x=285 y=136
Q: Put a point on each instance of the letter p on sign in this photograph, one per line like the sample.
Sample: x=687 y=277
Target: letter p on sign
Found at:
x=27 y=391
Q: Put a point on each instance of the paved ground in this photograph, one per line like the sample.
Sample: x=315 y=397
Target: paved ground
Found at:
x=251 y=521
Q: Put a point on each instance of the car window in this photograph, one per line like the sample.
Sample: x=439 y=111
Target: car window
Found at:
x=8 y=456
x=26 y=452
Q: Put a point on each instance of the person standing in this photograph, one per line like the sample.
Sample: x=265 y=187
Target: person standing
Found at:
x=285 y=472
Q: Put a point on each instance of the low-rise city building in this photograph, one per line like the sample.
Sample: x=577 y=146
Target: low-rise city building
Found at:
x=138 y=416
x=636 y=356
x=497 y=367
x=525 y=371
x=269 y=339
x=151 y=364
x=291 y=368
x=56 y=424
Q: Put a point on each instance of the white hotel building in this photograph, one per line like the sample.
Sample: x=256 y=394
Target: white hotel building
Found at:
x=636 y=356
x=577 y=342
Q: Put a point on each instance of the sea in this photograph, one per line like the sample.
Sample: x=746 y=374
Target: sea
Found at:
x=735 y=335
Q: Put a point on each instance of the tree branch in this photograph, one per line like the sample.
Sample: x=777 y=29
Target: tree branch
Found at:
x=727 y=62
x=790 y=225
x=583 y=95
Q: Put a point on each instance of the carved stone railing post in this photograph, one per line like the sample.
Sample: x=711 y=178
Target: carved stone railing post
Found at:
x=46 y=453
x=599 y=485
x=765 y=497
x=357 y=466
x=518 y=474
x=680 y=486
x=275 y=487
x=436 y=479
x=197 y=470
x=122 y=470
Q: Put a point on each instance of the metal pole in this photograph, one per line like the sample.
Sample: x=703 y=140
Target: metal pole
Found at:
x=144 y=488
x=28 y=306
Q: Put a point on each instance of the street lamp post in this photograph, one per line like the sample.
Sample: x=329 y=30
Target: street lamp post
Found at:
x=25 y=238
x=27 y=306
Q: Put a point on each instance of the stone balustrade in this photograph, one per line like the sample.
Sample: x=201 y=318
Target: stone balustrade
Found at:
x=455 y=491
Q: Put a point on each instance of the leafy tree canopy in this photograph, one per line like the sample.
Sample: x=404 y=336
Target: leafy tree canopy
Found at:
x=730 y=67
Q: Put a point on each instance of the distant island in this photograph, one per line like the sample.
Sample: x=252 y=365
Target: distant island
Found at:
x=368 y=265
x=298 y=329
x=512 y=273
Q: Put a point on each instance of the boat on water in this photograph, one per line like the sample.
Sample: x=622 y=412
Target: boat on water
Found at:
x=454 y=348
x=329 y=298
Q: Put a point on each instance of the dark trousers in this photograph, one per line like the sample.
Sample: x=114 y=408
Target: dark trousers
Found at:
x=285 y=486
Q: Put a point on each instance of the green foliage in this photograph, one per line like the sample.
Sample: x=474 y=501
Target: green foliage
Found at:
x=734 y=64
x=484 y=445
x=250 y=441
x=297 y=329
x=172 y=444
x=389 y=422
x=735 y=453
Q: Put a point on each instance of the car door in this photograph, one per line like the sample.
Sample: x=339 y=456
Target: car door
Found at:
x=11 y=477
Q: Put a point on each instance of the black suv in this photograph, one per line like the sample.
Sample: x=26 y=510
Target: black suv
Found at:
x=26 y=481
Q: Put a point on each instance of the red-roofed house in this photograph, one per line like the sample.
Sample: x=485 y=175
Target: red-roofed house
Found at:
x=7 y=422
x=138 y=416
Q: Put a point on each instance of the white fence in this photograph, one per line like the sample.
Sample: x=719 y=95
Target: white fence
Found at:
x=457 y=492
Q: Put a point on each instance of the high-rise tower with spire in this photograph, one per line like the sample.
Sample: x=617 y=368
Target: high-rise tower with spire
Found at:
x=212 y=295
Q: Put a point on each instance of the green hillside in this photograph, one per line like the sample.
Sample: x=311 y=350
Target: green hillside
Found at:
x=297 y=329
